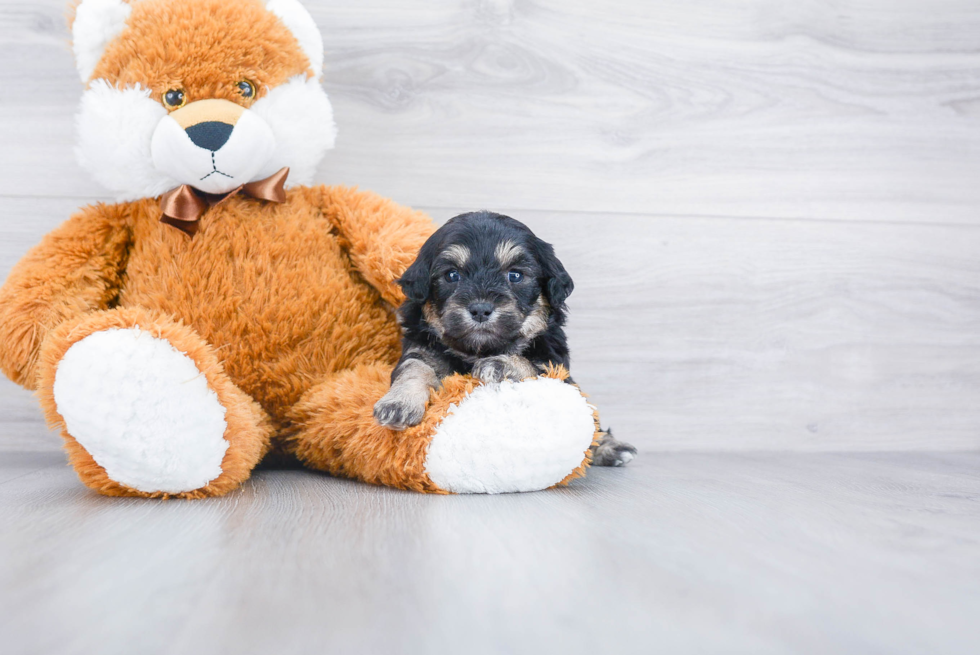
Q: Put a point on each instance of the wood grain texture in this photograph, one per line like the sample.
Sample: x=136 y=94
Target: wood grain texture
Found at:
x=756 y=334
x=854 y=110
x=680 y=553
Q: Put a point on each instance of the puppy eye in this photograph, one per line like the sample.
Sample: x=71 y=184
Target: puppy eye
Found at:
x=174 y=99
x=515 y=276
x=452 y=276
x=247 y=89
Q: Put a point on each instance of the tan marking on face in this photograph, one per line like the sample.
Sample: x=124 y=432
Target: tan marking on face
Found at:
x=506 y=311
x=204 y=48
x=204 y=111
x=433 y=319
x=507 y=253
x=537 y=321
x=457 y=254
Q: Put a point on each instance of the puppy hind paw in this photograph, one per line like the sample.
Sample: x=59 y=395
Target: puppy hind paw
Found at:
x=613 y=453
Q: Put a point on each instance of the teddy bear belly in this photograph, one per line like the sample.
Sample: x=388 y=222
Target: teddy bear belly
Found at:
x=280 y=323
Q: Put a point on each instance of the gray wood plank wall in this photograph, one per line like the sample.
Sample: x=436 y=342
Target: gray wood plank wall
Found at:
x=771 y=209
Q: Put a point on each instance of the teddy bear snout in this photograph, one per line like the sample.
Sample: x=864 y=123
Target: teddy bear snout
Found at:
x=212 y=145
x=209 y=123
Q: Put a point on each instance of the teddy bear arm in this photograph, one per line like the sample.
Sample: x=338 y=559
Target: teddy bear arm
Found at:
x=382 y=237
x=76 y=269
x=474 y=438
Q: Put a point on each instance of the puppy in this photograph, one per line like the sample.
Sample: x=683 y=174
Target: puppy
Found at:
x=485 y=297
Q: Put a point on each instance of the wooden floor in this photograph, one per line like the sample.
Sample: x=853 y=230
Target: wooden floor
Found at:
x=678 y=553
x=771 y=210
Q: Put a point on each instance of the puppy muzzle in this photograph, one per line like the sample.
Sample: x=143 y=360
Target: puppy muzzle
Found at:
x=212 y=145
x=482 y=327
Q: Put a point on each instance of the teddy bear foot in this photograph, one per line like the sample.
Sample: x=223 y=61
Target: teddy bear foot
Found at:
x=146 y=409
x=511 y=437
x=142 y=410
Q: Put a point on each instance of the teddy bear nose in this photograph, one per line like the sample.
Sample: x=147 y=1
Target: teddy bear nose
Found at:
x=210 y=135
x=480 y=311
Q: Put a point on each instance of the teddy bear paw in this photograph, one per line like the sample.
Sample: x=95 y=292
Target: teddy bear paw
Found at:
x=142 y=410
x=510 y=437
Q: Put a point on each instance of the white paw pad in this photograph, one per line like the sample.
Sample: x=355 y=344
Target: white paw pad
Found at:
x=510 y=437
x=142 y=410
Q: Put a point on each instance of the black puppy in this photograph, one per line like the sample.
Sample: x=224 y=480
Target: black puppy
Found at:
x=485 y=297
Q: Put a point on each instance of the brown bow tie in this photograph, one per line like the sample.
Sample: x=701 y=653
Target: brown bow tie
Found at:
x=183 y=207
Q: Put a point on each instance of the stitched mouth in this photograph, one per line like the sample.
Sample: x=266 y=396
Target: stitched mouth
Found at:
x=215 y=170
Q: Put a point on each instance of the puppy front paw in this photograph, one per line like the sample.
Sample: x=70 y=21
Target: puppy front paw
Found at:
x=397 y=412
x=490 y=370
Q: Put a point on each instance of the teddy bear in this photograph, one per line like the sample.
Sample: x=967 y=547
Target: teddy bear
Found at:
x=222 y=309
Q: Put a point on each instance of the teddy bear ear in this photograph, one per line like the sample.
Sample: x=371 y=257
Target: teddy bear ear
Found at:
x=95 y=24
x=303 y=27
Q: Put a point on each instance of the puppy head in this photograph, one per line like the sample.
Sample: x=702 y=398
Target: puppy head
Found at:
x=487 y=284
x=209 y=93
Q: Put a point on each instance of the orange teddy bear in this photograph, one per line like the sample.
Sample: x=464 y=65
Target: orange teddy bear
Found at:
x=221 y=309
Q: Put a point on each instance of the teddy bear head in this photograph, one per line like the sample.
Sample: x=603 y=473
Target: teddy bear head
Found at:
x=213 y=94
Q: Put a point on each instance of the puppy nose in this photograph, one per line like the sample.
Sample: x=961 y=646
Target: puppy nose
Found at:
x=210 y=135
x=480 y=311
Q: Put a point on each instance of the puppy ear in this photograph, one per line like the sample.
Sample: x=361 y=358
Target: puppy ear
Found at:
x=558 y=284
x=417 y=280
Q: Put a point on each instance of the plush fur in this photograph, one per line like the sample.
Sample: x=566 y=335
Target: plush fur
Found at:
x=301 y=119
x=451 y=463
x=125 y=136
x=143 y=409
x=94 y=26
x=248 y=430
x=294 y=16
x=280 y=314
x=115 y=128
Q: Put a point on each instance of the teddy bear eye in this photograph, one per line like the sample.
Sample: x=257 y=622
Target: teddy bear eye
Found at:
x=247 y=89
x=174 y=99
